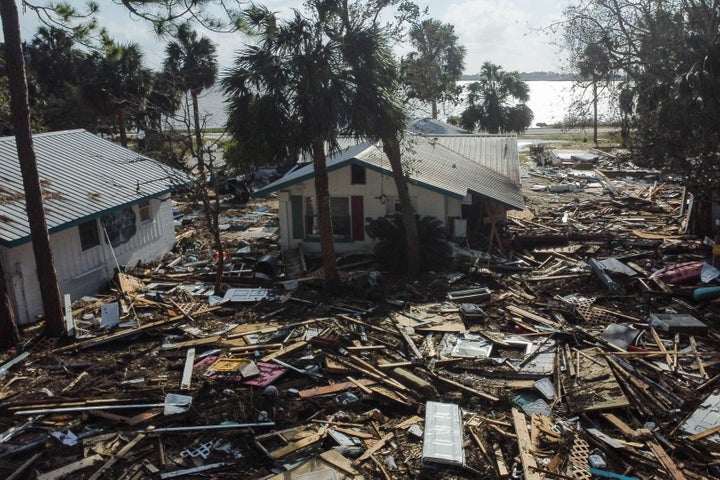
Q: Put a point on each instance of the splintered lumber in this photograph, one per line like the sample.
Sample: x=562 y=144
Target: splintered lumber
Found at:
x=20 y=472
x=338 y=387
x=531 y=316
x=123 y=451
x=666 y=461
x=284 y=351
x=372 y=372
x=360 y=385
x=377 y=446
x=409 y=341
x=704 y=433
x=523 y=437
x=71 y=468
x=407 y=377
x=190 y=471
x=467 y=389
x=625 y=429
x=698 y=359
x=480 y=443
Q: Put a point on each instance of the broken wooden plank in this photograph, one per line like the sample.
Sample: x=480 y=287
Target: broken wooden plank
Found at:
x=465 y=388
x=376 y=446
x=121 y=454
x=284 y=351
x=666 y=461
x=523 y=437
x=338 y=387
x=71 y=468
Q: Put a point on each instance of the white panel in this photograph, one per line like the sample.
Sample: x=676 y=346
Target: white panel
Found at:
x=443 y=439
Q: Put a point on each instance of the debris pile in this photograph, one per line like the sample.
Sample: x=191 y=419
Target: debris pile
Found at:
x=587 y=350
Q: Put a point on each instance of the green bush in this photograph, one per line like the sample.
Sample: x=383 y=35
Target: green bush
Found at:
x=391 y=250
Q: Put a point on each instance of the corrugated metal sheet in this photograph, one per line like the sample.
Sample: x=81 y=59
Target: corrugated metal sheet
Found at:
x=433 y=166
x=496 y=152
x=82 y=175
x=443 y=439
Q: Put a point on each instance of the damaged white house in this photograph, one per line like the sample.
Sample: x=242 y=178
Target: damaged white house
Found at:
x=106 y=206
x=467 y=181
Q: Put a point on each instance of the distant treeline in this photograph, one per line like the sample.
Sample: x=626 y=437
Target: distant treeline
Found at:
x=532 y=76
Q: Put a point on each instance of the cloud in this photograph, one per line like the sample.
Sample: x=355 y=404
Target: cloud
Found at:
x=505 y=33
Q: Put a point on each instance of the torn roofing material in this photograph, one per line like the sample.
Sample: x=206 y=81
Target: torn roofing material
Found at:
x=82 y=176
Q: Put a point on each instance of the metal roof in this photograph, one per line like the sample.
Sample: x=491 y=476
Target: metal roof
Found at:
x=83 y=176
x=496 y=152
x=433 y=166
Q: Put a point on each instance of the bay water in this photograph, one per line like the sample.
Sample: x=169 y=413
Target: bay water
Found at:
x=552 y=102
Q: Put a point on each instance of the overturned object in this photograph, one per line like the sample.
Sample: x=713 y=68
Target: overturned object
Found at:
x=443 y=440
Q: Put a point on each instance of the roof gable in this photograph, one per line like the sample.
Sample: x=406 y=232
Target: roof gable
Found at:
x=82 y=176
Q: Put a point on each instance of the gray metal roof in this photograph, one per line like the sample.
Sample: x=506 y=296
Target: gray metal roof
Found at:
x=432 y=166
x=83 y=177
x=496 y=152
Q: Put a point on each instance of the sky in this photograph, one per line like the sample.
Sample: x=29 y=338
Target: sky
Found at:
x=505 y=32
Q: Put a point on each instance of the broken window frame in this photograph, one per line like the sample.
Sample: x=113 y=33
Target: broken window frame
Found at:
x=358 y=175
x=89 y=235
x=145 y=212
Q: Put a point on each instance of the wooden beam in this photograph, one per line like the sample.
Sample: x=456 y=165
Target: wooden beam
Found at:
x=666 y=461
x=523 y=437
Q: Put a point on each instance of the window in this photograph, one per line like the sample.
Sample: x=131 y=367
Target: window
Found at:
x=357 y=175
x=145 y=211
x=339 y=213
x=89 y=237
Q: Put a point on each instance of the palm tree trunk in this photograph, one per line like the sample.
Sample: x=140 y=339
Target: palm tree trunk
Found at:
x=392 y=151
x=9 y=335
x=595 y=118
x=198 y=131
x=322 y=194
x=20 y=109
x=120 y=116
x=434 y=109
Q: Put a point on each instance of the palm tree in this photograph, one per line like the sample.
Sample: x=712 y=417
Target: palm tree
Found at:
x=497 y=102
x=594 y=65
x=192 y=62
x=431 y=71
x=121 y=82
x=295 y=81
x=376 y=110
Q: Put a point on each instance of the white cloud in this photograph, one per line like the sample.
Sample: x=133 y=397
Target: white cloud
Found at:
x=505 y=33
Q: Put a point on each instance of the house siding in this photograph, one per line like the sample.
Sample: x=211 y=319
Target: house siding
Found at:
x=85 y=272
x=376 y=188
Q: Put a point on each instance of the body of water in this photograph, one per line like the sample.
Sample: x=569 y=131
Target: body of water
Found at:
x=551 y=103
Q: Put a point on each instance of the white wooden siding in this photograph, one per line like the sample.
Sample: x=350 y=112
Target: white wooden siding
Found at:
x=85 y=273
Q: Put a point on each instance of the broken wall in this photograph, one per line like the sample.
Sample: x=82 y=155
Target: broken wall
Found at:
x=85 y=272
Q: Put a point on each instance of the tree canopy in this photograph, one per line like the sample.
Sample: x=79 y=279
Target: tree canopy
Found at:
x=496 y=103
x=669 y=54
x=432 y=70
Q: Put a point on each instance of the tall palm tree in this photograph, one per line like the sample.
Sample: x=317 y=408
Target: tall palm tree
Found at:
x=121 y=83
x=192 y=62
x=376 y=111
x=497 y=102
x=294 y=79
